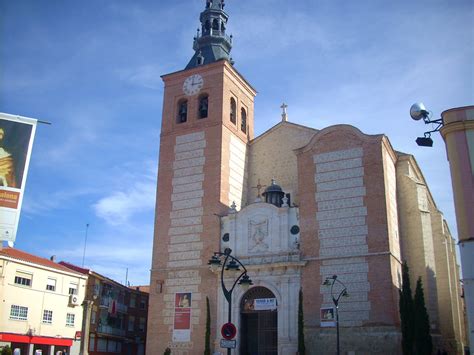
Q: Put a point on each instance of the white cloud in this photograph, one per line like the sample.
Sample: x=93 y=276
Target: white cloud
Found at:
x=148 y=76
x=40 y=202
x=137 y=194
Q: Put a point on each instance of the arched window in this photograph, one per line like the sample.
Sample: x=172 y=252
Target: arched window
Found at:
x=233 y=111
x=215 y=25
x=203 y=106
x=243 y=120
x=182 y=111
x=207 y=27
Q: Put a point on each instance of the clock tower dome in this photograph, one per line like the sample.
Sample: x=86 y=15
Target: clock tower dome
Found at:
x=207 y=122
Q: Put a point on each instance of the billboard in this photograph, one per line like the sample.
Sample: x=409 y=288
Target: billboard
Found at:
x=16 y=140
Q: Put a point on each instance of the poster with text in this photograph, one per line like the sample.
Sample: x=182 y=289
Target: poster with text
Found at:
x=327 y=317
x=16 y=140
x=182 y=317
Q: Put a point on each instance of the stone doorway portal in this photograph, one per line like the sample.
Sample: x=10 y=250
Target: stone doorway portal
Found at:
x=259 y=322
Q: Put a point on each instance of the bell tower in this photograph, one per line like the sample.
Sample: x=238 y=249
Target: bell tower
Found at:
x=207 y=122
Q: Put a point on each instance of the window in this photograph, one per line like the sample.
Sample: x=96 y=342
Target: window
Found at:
x=102 y=345
x=233 y=111
x=243 y=122
x=47 y=317
x=203 y=106
x=131 y=323
x=93 y=317
x=207 y=27
x=182 y=111
x=70 y=319
x=72 y=289
x=18 y=312
x=215 y=24
x=91 y=342
x=132 y=300
x=142 y=304
x=111 y=346
x=23 y=278
x=51 y=284
x=141 y=326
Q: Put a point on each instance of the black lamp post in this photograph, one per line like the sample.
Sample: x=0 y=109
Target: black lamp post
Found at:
x=330 y=281
x=228 y=262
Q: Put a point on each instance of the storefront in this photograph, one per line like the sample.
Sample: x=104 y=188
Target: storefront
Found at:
x=40 y=345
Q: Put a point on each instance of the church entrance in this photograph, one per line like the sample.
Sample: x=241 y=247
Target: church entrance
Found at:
x=259 y=322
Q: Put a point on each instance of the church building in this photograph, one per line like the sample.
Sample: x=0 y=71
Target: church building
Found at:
x=301 y=208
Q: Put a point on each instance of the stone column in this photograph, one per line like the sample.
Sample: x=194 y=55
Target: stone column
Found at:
x=86 y=322
x=458 y=134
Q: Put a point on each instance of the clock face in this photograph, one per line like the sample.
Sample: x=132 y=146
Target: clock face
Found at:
x=193 y=84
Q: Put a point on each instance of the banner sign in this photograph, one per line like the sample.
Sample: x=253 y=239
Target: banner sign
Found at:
x=16 y=140
x=327 y=317
x=265 y=304
x=182 y=317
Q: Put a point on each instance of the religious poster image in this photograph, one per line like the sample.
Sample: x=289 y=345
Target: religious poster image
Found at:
x=327 y=317
x=182 y=317
x=16 y=140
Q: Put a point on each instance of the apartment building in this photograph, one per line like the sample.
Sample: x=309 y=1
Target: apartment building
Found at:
x=116 y=315
x=41 y=304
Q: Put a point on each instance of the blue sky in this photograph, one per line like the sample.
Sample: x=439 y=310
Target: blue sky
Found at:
x=92 y=69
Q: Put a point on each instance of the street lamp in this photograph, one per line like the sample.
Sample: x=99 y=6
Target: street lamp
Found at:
x=330 y=281
x=227 y=262
x=418 y=112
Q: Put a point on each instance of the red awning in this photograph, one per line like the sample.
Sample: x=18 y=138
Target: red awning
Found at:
x=18 y=338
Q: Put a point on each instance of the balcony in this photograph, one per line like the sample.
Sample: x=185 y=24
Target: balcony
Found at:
x=107 y=302
x=106 y=329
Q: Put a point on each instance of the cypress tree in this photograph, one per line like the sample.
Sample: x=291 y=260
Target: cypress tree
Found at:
x=423 y=343
x=207 y=349
x=301 y=347
x=406 y=312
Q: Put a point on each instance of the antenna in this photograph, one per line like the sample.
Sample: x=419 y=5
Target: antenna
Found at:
x=85 y=244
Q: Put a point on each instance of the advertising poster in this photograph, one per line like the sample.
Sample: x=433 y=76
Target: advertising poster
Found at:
x=16 y=140
x=182 y=317
x=327 y=317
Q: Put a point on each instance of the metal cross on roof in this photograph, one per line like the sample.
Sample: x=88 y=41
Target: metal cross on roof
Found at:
x=259 y=187
x=284 y=115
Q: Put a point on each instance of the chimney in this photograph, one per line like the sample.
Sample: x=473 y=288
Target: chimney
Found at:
x=53 y=258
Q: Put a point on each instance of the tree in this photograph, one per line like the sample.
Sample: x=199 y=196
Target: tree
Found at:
x=207 y=349
x=301 y=347
x=6 y=350
x=406 y=312
x=423 y=343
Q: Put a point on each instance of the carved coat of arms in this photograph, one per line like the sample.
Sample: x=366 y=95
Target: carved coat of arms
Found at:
x=258 y=236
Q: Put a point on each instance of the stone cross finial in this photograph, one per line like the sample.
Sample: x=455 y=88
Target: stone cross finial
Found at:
x=284 y=115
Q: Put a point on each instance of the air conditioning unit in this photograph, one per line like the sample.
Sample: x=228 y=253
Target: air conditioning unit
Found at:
x=73 y=300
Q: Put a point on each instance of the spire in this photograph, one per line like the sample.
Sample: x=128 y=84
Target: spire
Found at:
x=211 y=42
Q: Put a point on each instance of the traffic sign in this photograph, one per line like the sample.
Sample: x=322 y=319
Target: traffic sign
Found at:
x=228 y=331
x=229 y=344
